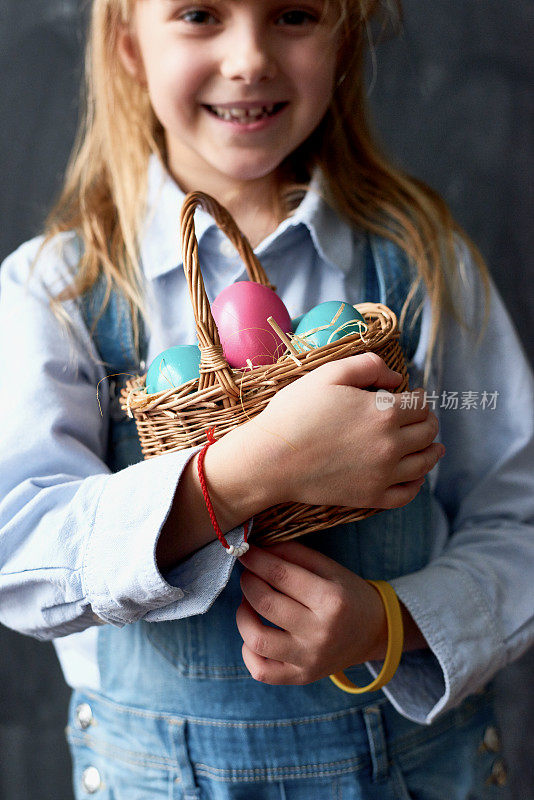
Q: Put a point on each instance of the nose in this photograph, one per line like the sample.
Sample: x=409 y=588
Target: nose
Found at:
x=247 y=58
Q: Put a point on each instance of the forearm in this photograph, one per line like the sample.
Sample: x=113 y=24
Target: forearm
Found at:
x=238 y=487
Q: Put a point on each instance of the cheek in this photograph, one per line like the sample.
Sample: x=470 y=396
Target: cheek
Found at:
x=318 y=98
x=313 y=72
x=175 y=85
x=323 y=84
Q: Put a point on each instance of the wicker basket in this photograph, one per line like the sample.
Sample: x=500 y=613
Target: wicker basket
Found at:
x=224 y=398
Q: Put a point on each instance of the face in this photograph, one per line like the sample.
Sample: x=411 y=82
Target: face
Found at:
x=236 y=84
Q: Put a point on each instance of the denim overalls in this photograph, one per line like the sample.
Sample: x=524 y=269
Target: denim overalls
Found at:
x=179 y=716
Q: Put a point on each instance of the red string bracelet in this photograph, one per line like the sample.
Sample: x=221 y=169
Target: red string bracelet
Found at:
x=230 y=549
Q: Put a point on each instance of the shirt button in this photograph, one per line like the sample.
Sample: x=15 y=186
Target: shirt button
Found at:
x=84 y=716
x=227 y=249
x=91 y=780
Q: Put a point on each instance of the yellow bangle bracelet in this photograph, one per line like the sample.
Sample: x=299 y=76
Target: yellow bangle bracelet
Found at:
x=394 y=648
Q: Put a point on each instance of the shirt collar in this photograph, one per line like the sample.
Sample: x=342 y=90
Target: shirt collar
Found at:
x=160 y=246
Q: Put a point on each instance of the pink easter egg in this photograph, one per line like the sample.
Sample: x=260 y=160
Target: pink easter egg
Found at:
x=240 y=312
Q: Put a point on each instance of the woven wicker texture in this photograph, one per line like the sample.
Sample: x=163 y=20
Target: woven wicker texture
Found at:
x=224 y=398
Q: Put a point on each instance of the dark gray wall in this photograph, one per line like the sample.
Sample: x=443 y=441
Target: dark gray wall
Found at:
x=453 y=102
x=41 y=46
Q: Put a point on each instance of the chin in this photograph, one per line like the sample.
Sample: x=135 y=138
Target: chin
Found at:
x=250 y=171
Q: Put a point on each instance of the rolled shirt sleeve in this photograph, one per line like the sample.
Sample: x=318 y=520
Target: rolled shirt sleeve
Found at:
x=474 y=601
x=77 y=544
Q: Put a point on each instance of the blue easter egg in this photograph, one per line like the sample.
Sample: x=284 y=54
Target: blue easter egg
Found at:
x=323 y=314
x=173 y=367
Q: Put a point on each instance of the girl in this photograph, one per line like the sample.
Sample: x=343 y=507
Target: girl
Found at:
x=196 y=676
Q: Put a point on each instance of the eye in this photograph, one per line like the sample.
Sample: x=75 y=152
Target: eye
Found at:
x=297 y=17
x=198 y=16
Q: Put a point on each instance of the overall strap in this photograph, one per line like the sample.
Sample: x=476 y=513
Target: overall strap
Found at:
x=113 y=329
x=389 y=277
x=113 y=336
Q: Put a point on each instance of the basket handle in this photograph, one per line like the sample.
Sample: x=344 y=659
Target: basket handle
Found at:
x=213 y=366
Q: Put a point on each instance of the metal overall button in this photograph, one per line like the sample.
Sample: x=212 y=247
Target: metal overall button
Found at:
x=491 y=741
x=499 y=774
x=84 y=716
x=91 y=780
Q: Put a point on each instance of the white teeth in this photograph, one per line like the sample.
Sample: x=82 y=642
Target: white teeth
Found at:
x=241 y=114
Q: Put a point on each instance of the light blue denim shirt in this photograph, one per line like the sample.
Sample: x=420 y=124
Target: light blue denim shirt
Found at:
x=65 y=562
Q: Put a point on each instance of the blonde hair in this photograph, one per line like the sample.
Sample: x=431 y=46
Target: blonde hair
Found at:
x=104 y=194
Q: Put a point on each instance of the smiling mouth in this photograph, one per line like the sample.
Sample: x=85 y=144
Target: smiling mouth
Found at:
x=245 y=115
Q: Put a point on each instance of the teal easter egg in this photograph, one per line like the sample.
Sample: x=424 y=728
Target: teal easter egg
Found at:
x=173 y=367
x=295 y=322
x=348 y=322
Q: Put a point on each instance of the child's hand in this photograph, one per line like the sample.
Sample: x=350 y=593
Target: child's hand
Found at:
x=330 y=617
x=325 y=442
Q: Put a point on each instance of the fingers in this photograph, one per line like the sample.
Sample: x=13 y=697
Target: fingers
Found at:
x=289 y=579
x=306 y=557
x=360 y=371
x=263 y=640
x=401 y=494
x=269 y=671
x=419 y=435
x=278 y=608
x=416 y=465
x=411 y=407
x=406 y=408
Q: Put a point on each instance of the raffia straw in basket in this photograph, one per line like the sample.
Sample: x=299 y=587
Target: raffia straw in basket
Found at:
x=225 y=398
